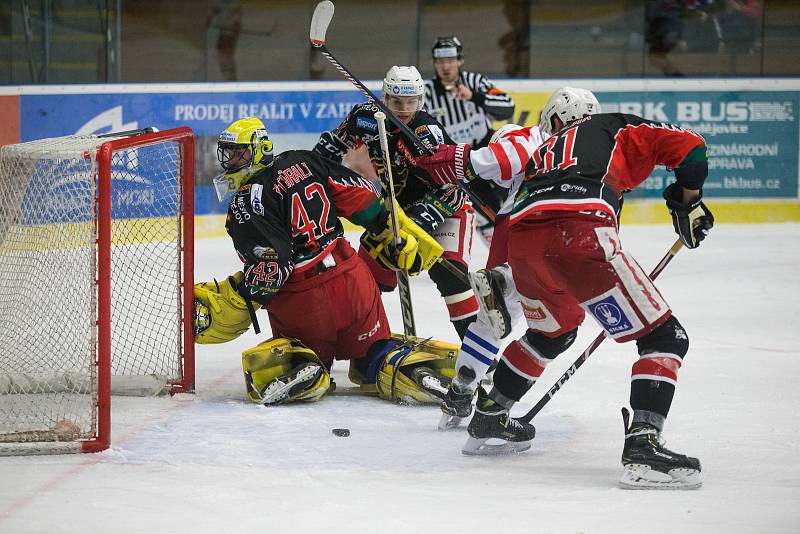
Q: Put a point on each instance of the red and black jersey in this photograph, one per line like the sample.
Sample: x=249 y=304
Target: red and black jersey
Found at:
x=361 y=128
x=590 y=163
x=286 y=217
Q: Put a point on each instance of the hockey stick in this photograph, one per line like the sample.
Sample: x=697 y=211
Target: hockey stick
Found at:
x=403 y=283
x=323 y=14
x=130 y=133
x=676 y=247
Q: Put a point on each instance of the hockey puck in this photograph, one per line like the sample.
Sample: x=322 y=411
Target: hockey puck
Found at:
x=341 y=432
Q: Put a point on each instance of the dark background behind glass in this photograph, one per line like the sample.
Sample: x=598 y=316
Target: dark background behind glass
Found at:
x=106 y=41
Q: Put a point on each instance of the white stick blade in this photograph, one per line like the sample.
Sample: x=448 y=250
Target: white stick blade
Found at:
x=320 y=21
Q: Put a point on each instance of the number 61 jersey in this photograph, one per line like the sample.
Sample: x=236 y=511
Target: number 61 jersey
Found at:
x=286 y=217
x=588 y=165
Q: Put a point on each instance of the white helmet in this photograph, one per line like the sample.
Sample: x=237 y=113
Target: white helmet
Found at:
x=404 y=81
x=503 y=130
x=568 y=104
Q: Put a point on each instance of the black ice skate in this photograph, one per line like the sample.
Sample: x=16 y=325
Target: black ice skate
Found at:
x=489 y=287
x=492 y=422
x=282 y=388
x=650 y=465
x=457 y=403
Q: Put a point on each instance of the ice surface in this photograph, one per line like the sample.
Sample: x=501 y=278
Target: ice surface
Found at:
x=213 y=462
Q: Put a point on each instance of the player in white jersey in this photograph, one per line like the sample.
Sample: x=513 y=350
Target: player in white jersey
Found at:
x=466 y=103
x=503 y=162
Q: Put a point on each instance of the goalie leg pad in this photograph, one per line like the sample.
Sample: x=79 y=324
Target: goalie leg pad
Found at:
x=282 y=370
x=220 y=313
x=416 y=370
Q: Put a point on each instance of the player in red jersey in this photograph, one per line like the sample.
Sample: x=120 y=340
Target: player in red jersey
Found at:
x=567 y=260
x=322 y=300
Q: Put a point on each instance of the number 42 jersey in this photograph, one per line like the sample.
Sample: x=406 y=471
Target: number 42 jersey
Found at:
x=286 y=217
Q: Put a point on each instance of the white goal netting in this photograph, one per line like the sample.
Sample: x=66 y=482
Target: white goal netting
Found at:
x=50 y=266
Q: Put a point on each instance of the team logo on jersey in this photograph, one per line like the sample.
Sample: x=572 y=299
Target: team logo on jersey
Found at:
x=609 y=313
x=255 y=198
x=365 y=123
x=265 y=253
x=572 y=188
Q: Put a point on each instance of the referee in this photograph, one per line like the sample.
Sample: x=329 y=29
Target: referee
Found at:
x=464 y=102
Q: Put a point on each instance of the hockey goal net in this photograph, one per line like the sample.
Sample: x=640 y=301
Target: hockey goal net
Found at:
x=96 y=275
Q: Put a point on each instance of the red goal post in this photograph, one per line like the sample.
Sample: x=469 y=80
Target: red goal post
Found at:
x=96 y=278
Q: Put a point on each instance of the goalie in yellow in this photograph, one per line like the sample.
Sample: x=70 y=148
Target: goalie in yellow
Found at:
x=321 y=298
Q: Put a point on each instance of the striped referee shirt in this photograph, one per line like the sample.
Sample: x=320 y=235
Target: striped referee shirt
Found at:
x=468 y=121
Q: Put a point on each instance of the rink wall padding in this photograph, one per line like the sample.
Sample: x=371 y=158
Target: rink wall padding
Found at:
x=634 y=212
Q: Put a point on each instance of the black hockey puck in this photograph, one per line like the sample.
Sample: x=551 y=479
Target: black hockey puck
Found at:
x=341 y=432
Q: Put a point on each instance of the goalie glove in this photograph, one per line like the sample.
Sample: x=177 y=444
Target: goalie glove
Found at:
x=417 y=251
x=220 y=313
x=448 y=165
x=692 y=221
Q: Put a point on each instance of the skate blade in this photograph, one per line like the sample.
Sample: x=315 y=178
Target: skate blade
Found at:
x=481 y=447
x=642 y=477
x=434 y=387
x=449 y=422
x=483 y=289
x=278 y=392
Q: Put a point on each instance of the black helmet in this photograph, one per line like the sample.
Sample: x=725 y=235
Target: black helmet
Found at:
x=445 y=47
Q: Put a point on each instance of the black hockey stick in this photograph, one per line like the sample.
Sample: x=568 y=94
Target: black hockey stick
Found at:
x=596 y=343
x=130 y=133
x=323 y=14
x=320 y=21
x=403 y=283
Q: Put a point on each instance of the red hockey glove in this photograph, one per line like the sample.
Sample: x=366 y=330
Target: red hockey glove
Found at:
x=448 y=165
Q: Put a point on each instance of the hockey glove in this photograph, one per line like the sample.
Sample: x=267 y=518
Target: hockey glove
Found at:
x=417 y=252
x=692 y=221
x=220 y=313
x=449 y=165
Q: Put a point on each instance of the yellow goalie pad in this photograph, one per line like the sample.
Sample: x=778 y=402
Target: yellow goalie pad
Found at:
x=220 y=313
x=283 y=370
x=399 y=375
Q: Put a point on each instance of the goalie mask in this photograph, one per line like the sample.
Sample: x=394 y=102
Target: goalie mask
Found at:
x=243 y=149
x=568 y=104
x=403 y=91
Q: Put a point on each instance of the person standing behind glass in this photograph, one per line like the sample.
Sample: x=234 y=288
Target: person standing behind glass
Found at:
x=465 y=102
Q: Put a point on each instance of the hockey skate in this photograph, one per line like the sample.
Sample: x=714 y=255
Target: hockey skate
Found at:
x=457 y=403
x=648 y=464
x=282 y=388
x=492 y=422
x=431 y=381
x=489 y=287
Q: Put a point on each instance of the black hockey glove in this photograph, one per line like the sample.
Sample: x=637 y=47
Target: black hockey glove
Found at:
x=692 y=221
x=425 y=215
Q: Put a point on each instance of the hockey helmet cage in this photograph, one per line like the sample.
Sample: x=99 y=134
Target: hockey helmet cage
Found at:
x=243 y=149
x=447 y=47
x=568 y=104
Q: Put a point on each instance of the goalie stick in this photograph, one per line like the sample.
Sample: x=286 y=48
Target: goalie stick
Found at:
x=676 y=247
x=403 y=283
x=323 y=14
